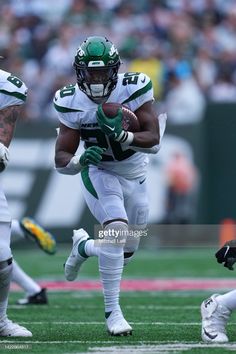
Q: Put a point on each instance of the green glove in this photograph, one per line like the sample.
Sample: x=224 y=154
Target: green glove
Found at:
x=112 y=127
x=92 y=155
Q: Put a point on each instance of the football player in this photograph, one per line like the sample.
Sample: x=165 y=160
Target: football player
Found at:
x=13 y=94
x=217 y=309
x=112 y=167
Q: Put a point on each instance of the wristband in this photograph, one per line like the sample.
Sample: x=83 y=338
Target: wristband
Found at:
x=72 y=168
x=125 y=138
x=152 y=150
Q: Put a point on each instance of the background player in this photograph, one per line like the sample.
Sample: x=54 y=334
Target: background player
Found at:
x=113 y=170
x=217 y=309
x=13 y=94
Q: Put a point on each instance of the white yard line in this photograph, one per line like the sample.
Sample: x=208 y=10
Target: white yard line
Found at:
x=161 y=344
x=138 y=307
x=161 y=348
x=94 y=323
x=102 y=323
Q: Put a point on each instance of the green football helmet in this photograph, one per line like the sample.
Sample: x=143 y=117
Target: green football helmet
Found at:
x=96 y=63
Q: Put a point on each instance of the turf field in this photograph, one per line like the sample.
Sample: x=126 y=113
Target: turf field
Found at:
x=163 y=321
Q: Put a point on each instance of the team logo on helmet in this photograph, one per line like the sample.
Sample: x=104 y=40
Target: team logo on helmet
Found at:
x=80 y=52
x=113 y=50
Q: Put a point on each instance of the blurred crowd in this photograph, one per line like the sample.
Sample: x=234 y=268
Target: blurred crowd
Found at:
x=188 y=48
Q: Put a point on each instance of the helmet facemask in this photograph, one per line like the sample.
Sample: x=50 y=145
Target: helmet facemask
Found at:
x=97 y=82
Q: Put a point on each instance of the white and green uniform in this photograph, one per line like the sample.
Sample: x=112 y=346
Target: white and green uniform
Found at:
x=110 y=186
x=12 y=92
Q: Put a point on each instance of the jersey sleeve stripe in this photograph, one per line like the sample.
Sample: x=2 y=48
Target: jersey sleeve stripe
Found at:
x=18 y=95
x=139 y=92
x=65 y=109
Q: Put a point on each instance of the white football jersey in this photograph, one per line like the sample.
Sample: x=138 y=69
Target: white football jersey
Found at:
x=12 y=90
x=77 y=111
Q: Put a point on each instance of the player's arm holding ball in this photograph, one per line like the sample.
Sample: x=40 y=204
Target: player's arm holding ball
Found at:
x=143 y=140
x=149 y=134
x=66 y=146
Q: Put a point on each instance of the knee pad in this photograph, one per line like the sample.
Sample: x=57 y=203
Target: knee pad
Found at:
x=115 y=235
x=116 y=228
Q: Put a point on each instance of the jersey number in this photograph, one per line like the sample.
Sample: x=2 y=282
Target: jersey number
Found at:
x=67 y=91
x=130 y=79
x=15 y=81
x=97 y=137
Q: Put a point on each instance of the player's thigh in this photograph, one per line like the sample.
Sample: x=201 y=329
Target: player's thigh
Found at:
x=103 y=195
x=5 y=228
x=4 y=210
x=137 y=205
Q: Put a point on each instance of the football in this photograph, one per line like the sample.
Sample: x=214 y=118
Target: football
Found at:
x=130 y=121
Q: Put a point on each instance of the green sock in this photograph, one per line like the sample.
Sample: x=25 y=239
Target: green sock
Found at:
x=81 y=249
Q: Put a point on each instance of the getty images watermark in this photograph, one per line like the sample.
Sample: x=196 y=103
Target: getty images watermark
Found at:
x=167 y=235
x=118 y=235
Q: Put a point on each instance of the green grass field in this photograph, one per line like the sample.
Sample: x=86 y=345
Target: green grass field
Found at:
x=163 y=322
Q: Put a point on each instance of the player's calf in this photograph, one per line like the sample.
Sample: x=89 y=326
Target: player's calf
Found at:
x=131 y=246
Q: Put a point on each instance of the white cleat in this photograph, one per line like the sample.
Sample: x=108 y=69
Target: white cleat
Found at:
x=11 y=329
x=117 y=325
x=214 y=320
x=75 y=260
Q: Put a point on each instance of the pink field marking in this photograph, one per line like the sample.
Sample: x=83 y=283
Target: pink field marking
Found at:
x=170 y=284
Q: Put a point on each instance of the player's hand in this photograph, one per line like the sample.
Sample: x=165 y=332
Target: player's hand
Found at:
x=110 y=126
x=227 y=254
x=4 y=157
x=92 y=155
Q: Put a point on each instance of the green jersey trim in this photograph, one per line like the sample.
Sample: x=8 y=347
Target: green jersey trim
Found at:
x=66 y=110
x=87 y=182
x=18 y=95
x=139 y=92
